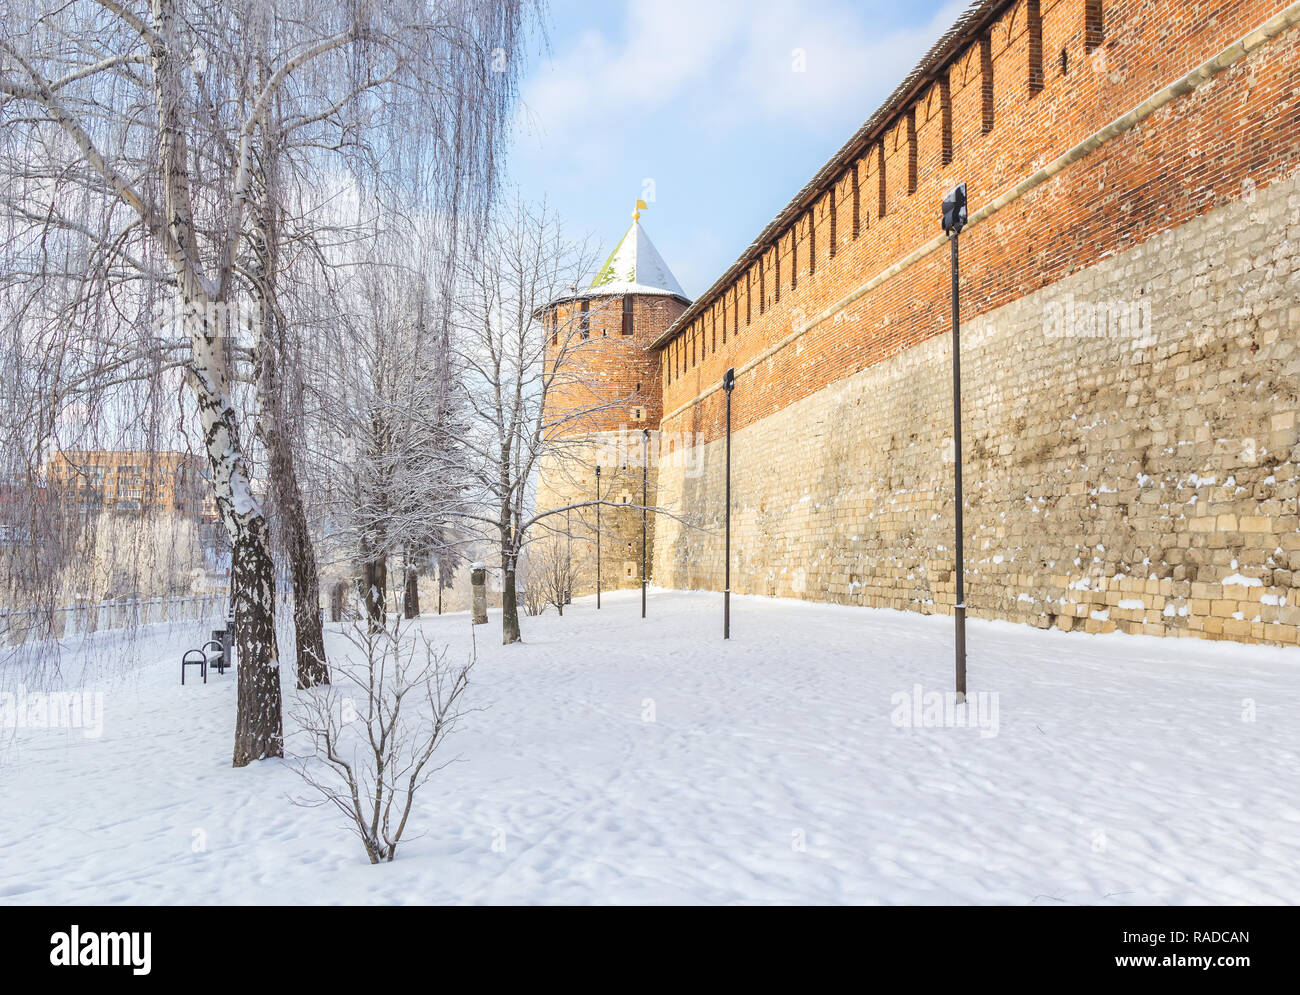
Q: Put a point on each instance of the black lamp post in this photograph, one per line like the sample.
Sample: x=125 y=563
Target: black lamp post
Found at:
x=728 y=383
x=568 y=556
x=645 y=500
x=597 y=537
x=954 y=220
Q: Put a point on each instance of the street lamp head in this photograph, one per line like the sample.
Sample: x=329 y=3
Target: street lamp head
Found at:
x=729 y=379
x=954 y=210
x=597 y=469
x=645 y=434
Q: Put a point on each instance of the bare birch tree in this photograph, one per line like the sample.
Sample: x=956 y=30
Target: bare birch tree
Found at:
x=135 y=129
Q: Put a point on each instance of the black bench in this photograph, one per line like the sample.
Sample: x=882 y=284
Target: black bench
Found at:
x=211 y=654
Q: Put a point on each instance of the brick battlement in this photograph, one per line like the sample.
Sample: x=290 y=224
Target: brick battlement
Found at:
x=1015 y=87
x=1130 y=301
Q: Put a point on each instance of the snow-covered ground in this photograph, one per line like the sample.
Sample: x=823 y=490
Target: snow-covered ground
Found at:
x=617 y=760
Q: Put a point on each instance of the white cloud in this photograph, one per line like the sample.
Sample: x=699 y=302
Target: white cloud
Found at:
x=724 y=64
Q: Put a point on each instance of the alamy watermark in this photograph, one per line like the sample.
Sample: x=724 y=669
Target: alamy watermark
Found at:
x=92 y=948
x=239 y=320
x=628 y=447
x=1096 y=319
x=921 y=709
x=82 y=710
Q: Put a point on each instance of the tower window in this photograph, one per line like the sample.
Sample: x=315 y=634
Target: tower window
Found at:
x=627 y=314
x=584 y=320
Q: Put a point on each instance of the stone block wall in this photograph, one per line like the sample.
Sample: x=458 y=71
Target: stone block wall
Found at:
x=1130 y=323
x=568 y=477
x=1132 y=458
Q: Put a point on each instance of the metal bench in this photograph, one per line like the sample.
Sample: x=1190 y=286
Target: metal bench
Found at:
x=210 y=654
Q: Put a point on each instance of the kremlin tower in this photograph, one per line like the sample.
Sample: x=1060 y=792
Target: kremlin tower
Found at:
x=605 y=392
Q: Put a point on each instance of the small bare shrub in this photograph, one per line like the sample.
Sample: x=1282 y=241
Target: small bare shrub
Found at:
x=374 y=731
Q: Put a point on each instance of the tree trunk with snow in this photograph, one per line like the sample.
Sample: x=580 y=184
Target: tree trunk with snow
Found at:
x=411 y=595
x=374 y=580
x=259 y=730
x=510 y=606
x=478 y=594
x=308 y=631
x=295 y=537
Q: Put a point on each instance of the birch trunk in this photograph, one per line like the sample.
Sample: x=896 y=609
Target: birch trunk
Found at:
x=258 y=725
x=510 y=611
x=259 y=729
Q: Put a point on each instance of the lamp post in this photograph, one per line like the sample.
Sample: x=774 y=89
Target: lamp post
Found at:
x=598 y=537
x=645 y=500
x=568 y=556
x=954 y=220
x=728 y=383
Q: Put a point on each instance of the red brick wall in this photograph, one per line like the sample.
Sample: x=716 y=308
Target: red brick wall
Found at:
x=604 y=377
x=1195 y=154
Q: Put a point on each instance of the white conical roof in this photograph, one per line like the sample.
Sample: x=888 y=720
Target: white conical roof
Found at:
x=635 y=267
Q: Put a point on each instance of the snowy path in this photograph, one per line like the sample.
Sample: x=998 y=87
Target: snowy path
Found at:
x=1122 y=771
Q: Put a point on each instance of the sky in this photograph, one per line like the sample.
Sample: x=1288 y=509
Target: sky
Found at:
x=716 y=112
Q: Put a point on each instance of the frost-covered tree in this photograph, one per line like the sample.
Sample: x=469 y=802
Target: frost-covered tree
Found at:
x=523 y=262
x=130 y=136
x=389 y=430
